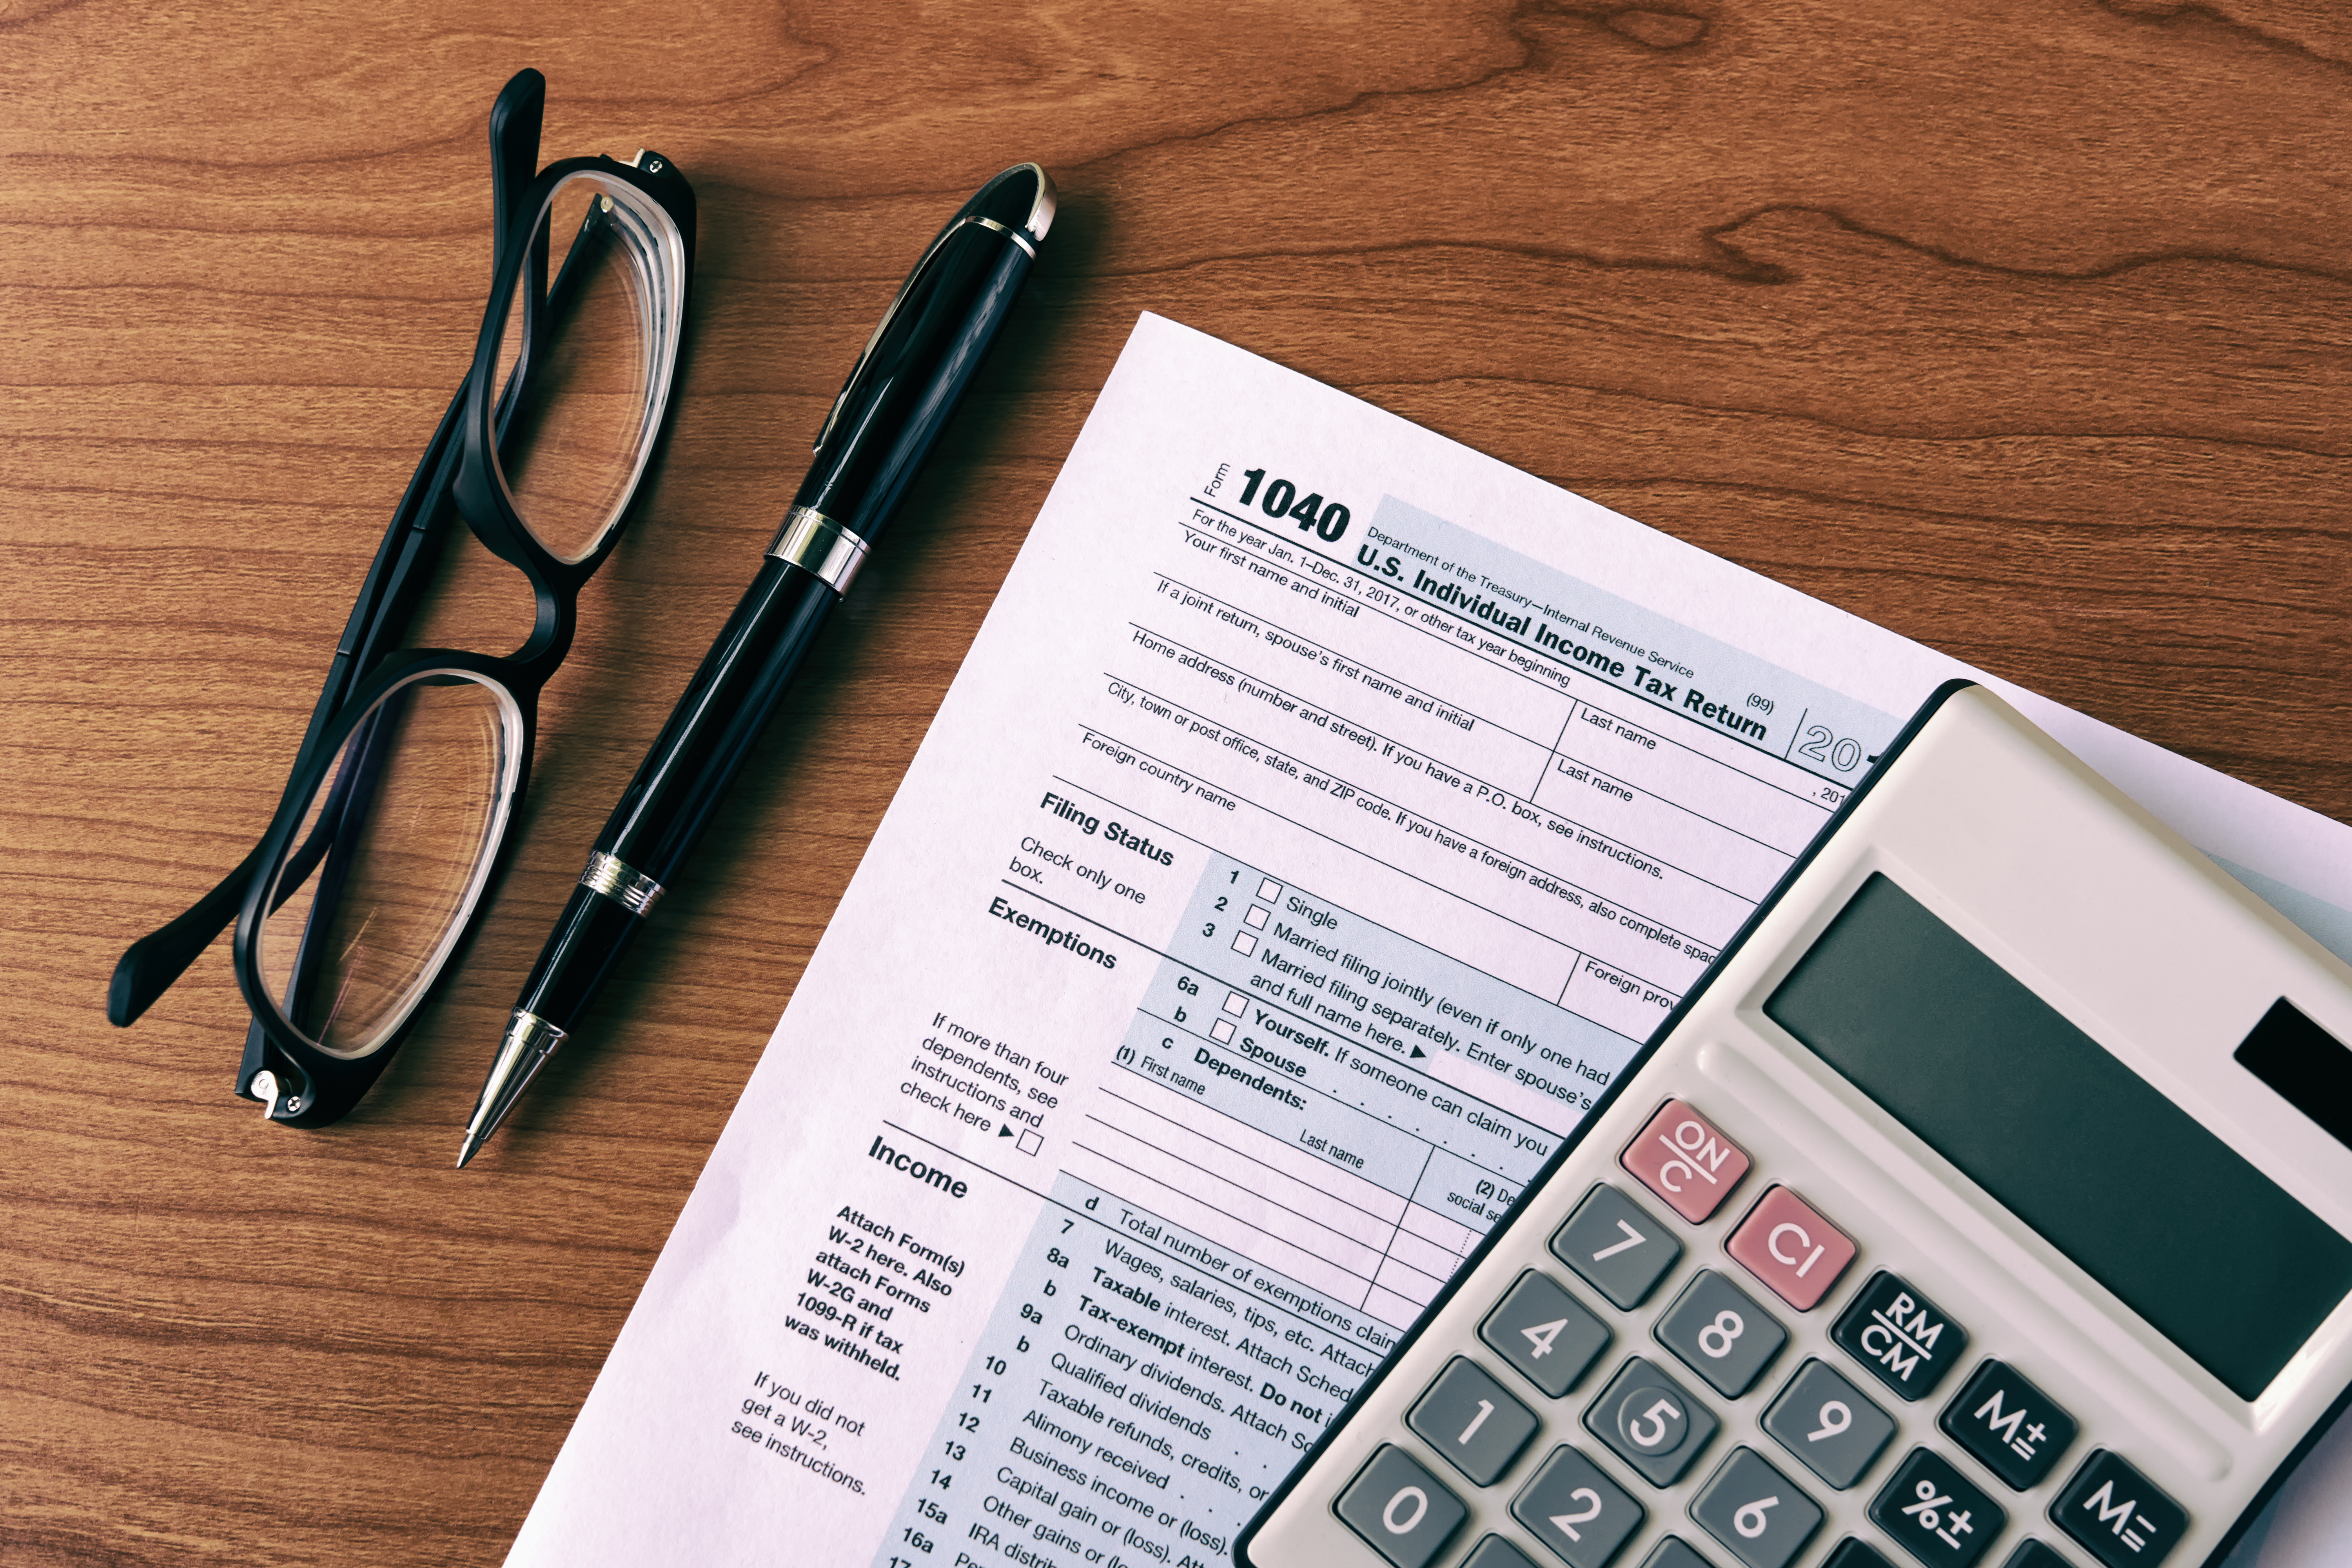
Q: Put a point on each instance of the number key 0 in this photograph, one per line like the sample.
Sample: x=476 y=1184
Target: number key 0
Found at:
x=1400 y=1510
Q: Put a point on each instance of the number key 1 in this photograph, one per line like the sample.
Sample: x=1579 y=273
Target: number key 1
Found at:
x=1466 y=1416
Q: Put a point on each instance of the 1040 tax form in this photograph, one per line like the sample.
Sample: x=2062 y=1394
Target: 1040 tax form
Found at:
x=1324 y=815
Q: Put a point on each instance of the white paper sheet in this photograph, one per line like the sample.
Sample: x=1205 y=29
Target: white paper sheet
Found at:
x=1323 y=814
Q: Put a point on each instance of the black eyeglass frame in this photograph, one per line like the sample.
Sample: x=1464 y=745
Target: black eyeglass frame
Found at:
x=460 y=473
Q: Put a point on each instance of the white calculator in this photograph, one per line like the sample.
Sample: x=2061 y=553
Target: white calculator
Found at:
x=1989 y=1202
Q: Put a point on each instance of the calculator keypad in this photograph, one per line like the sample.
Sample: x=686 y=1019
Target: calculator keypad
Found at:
x=1831 y=1426
x=1576 y=1510
x=1618 y=1250
x=1756 y=1511
x=1651 y=1423
x=1645 y=1421
x=1937 y=1514
x=1721 y=1334
x=1467 y=1417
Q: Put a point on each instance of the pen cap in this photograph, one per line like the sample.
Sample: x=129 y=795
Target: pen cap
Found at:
x=923 y=356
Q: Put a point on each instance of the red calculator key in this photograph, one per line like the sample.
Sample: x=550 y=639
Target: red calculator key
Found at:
x=1785 y=1243
x=1683 y=1158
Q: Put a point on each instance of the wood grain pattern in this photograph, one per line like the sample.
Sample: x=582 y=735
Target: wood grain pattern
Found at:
x=2018 y=327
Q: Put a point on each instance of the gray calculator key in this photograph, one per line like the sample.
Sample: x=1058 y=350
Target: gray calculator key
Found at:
x=1400 y=1510
x=1469 y=1420
x=1756 y=1511
x=1721 y=1334
x=1545 y=1333
x=1672 y=1553
x=1619 y=1249
x=1829 y=1425
x=1496 y=1552
x=1649 y=1422
x=1577 y=1512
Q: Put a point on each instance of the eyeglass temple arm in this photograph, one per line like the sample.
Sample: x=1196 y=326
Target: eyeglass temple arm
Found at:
x=515 y=121
x=151 y=965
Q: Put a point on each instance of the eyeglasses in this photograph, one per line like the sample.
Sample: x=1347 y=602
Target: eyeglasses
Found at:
x=399 y=810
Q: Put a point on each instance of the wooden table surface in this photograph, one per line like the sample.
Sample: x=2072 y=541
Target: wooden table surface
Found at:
x=2018 y=326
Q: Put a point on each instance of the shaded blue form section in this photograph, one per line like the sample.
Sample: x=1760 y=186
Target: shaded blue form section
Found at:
x=1524 y=604
x=1281 y=1009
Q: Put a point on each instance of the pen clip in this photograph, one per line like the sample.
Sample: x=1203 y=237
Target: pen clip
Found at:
x=906 y=292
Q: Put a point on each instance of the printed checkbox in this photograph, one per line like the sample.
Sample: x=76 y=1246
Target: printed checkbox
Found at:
x=1235 y=1005
x=1255 y=919
x=1222 y=1030
x=1028 y=1142
x=1269 y=889
x=1245 y=943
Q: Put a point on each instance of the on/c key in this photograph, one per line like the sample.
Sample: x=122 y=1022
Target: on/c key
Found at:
x=1684 y=1159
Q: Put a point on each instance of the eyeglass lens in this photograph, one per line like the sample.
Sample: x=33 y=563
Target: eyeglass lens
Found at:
x=588 y=407
x=393 y=851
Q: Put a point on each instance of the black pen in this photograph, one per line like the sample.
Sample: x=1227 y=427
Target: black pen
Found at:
x=914 y=372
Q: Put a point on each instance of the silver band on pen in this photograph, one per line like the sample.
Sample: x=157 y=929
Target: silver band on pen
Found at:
x=620 y=882
x=813 y=541
x=1015 y=235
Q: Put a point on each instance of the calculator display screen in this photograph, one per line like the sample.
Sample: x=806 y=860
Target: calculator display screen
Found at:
x=2141 y=1196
